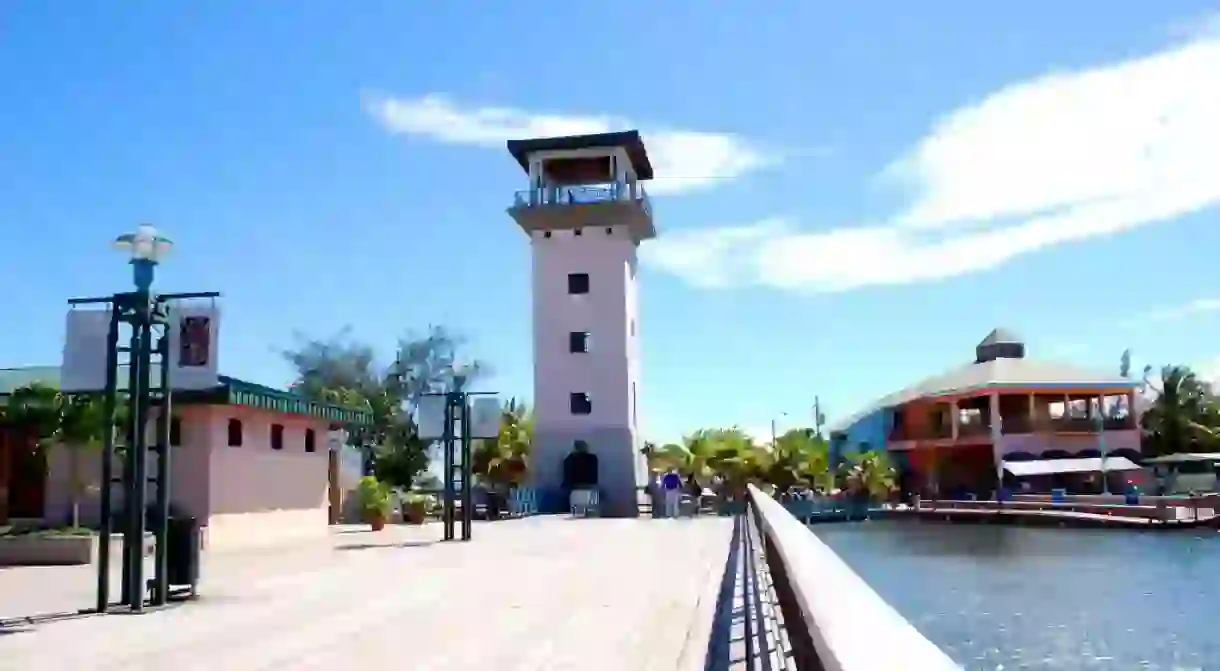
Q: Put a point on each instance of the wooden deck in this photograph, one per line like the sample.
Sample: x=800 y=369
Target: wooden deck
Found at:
x=534 y=594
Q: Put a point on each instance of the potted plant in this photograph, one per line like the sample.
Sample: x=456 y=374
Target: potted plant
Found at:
x=375 y=501
x=415 y=508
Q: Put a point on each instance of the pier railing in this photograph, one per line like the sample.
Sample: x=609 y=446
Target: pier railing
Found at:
x=831 y=619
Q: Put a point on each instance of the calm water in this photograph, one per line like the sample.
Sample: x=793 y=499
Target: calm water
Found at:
x=996 y=597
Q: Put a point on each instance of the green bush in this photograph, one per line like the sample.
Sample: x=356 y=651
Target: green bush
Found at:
x=374 y=496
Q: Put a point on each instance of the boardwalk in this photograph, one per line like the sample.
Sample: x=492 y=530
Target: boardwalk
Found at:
x=536 y=594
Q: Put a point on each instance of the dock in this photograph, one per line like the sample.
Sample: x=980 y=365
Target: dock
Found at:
x=1073 y=513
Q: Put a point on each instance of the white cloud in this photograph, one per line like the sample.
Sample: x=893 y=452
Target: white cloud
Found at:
x=1195 y=307
x=1058 y=159
x=682 y=160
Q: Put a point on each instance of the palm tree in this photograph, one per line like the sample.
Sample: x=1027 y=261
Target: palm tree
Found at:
x=504 y=460
x=1184 y=412
x=871 y=476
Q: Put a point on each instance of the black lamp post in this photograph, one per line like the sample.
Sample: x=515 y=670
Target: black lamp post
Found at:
x=142 y=310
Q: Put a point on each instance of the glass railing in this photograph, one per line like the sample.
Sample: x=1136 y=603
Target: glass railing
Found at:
x=579 y=195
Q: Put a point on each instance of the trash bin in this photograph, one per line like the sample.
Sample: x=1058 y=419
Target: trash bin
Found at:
x=182 y=551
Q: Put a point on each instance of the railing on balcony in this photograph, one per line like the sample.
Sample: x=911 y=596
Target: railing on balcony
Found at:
x=578 y=195
x=928 y=433
x=973 y=430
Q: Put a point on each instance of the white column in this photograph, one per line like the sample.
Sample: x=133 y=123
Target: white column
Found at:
x=996 y=425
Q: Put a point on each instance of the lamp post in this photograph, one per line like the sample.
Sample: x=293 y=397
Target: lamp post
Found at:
x=142 y=310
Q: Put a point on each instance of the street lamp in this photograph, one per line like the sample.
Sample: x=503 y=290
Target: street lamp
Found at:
x=142 y=310
x=147 y=248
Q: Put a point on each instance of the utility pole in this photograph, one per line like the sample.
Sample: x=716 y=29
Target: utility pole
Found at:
x=817 y=416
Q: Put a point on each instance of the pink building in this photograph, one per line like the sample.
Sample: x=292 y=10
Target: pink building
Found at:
x=250 y=462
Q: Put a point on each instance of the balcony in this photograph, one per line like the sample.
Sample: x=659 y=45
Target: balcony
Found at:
x=974 y=430
x=573 y=207
x=927 y=433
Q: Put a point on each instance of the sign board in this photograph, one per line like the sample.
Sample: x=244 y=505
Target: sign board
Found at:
x=430 y=419
x=485 y=413
x=84 y=360
x=194 y=332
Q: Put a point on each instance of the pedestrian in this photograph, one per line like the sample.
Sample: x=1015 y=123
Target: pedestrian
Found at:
x=671 y=483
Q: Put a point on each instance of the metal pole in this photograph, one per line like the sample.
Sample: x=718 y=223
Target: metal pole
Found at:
x=164 y=449
x=141 y=454
x=129 y=460
x=108 y=407
x=448 y=512
x=467 y=498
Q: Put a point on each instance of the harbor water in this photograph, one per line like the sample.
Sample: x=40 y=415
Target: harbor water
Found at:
x=1005 y=597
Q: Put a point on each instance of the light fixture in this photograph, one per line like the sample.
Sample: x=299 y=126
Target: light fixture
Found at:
x=145 y=244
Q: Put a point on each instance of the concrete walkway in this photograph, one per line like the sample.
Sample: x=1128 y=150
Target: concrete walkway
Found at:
x=536 y=594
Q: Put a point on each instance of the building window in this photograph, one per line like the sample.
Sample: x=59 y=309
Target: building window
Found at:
x=175 y=431
x=578 y=283
x=577 y=231
x=578 y=342
x=580 y=404
x=277 y=436
x=235 y=433
x=310 y=441
x=609 y=230
x=546 y=234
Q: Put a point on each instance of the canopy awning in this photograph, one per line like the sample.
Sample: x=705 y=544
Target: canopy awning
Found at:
x=1055 y=466
x=1184 y=457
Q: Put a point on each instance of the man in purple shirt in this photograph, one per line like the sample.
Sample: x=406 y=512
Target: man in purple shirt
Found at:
x=671 y=486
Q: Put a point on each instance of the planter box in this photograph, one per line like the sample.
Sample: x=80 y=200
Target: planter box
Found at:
x=59 y=550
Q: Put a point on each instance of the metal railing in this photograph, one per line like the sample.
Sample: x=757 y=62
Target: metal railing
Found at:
x=579 y=195
x=832 y=619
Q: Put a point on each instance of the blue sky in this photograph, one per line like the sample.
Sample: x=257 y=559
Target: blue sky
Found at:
x=849 y=198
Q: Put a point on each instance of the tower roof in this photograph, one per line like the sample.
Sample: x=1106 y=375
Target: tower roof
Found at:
x=629 y=140
x=999 y=336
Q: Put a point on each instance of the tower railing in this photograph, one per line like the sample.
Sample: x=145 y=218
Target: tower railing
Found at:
x=580 y=195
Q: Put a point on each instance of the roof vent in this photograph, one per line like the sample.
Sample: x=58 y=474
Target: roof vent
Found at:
x=999 y=344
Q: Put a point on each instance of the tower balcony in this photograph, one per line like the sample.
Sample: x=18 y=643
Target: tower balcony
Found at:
x=569 y=207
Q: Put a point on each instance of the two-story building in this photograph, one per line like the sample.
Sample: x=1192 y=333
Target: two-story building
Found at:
x=954 y=431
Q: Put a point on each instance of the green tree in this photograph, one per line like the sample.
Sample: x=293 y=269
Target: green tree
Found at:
x=75 y=422
x=1184 y=412
x=871 y=475
x=340 y=370
x=503 y=462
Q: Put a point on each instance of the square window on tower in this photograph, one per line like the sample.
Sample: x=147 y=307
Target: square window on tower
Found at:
x=578 y=283
x=578 y=342
x=580 y=403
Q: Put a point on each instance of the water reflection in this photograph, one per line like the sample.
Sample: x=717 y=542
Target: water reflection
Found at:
x=1033 y=598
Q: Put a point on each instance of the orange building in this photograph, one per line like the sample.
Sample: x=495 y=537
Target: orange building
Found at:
x=952 y=432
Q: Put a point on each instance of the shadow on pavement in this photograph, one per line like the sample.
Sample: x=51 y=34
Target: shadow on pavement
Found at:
x=720 y=640
x=387 y=544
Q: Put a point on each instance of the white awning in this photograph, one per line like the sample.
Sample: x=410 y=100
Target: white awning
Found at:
x=1083 y=465
x=1184 y=457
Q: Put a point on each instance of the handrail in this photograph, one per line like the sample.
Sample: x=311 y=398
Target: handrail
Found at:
x=850 y=627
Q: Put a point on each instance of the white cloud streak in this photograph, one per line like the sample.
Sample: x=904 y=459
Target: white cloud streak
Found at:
x=1062 y=158
x=1196 y=307
x=683 y=160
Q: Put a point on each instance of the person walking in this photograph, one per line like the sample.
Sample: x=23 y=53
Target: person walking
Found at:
x=671 y=484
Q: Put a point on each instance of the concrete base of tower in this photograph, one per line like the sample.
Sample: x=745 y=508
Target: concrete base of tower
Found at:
x=617 y=460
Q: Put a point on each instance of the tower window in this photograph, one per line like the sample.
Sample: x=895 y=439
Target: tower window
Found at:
x=277 y=436
x=310 y=441
x=580 y=404
x=235 y=432
x=609 y=230
x=577 y=231
x=546 y=234
x=175 y=431
x=578 y=283
x=578 y=342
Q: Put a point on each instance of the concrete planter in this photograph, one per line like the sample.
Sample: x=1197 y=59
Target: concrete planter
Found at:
x=59 y=550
